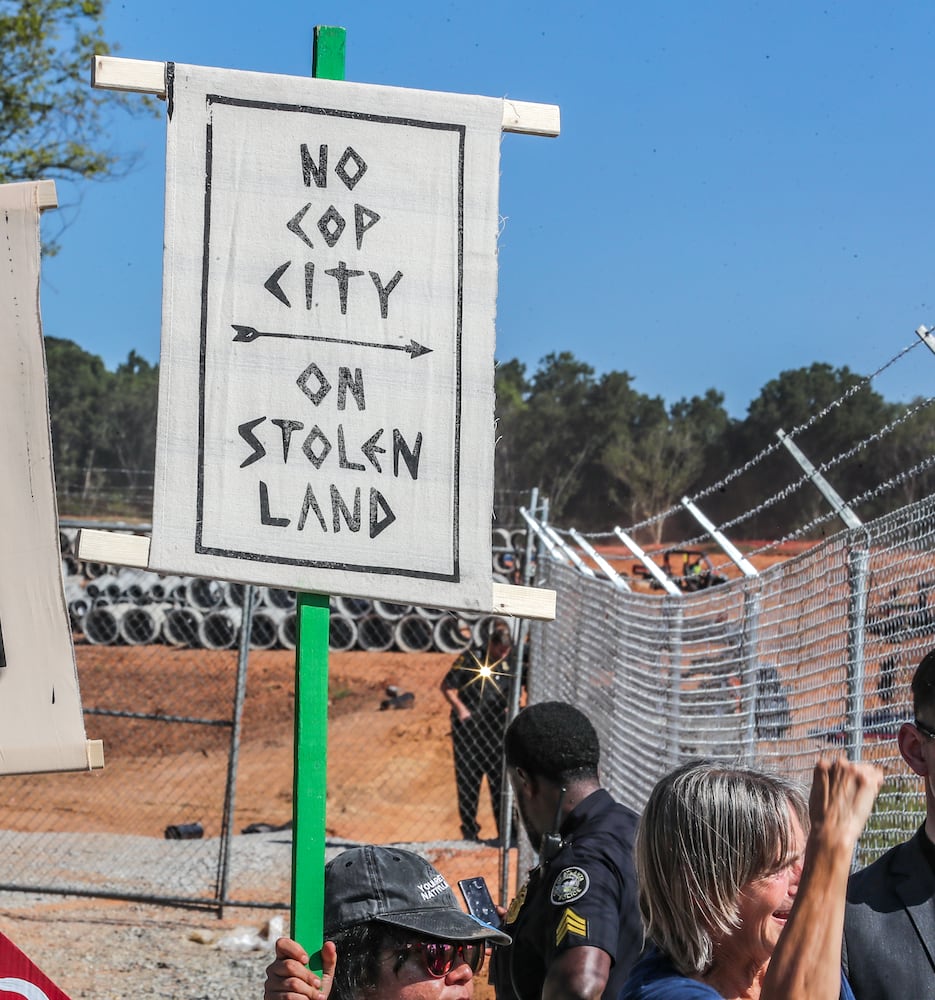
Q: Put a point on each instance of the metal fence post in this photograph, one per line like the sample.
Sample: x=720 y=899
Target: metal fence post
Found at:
x=749 y=675
x=655 y=572
x=527 y=562
x=507 y=832
x=230 y=792
x=673 y=606
x=858 y=561
x=730 y=550
x=850 y=519
x=615 y=578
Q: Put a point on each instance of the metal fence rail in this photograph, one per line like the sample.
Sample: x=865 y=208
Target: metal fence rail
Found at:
x=813 y=654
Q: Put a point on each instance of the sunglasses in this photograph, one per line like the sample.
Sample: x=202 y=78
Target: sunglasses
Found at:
x=440 y=957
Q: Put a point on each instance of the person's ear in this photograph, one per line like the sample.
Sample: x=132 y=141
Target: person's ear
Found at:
x=911 y=746
x=527 y=780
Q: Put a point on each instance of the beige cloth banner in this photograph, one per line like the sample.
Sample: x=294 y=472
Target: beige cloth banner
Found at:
x=326 y=377
x=41 y=722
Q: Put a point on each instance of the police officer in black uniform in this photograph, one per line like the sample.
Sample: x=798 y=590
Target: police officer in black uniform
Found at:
x=478 y=689
x=575 y=924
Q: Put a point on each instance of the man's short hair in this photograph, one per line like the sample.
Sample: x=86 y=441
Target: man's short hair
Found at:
x=923 y=689
x=706 y=831
x=554 y=740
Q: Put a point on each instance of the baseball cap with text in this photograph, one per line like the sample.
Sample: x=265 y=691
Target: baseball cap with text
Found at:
x=391 y=886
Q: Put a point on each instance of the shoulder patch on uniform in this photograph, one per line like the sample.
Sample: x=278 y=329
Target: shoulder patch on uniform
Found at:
x=516 y=904
x=570 y=884
x=571 y=923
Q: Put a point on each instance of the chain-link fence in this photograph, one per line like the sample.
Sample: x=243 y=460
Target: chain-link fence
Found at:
x=189 y=683
x=479 y=687
x=814 y=654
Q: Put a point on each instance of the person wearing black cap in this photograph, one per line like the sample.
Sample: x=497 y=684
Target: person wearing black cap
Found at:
x=393 y=930
x=575 y=923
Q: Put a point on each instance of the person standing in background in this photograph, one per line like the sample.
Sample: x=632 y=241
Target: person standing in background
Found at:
x=477 y=687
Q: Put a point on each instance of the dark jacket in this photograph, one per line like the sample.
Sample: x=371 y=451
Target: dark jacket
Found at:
x=889 y=926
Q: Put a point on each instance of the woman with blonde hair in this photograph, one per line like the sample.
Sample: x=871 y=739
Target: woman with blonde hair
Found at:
x=742 y=882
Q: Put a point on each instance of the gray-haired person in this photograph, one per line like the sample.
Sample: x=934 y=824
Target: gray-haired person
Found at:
x=393 y=931
x=742 y=882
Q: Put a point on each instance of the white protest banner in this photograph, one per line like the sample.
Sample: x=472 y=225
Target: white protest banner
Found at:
x=41 y=721
x=326 y=375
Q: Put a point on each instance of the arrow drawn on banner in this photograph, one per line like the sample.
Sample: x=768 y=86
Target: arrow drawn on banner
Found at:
x=248 y=334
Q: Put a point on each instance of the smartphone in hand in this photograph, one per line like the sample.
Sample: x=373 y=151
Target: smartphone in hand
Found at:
x=478 y=900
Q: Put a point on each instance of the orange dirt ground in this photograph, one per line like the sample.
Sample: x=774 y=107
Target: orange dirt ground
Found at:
x=73 y=938
x=263 y=785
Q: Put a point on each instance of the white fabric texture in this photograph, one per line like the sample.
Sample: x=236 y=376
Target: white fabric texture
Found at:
x=41 y=722
x=326 y=373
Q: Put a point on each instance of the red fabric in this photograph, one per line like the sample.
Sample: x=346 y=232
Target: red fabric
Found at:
x=21 y=977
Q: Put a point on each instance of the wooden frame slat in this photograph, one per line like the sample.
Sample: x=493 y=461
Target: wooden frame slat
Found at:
x=142 y=76
x=119 y=549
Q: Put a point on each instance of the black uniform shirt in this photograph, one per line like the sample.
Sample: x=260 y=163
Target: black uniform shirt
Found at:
x=482 y=694
x=586 y=896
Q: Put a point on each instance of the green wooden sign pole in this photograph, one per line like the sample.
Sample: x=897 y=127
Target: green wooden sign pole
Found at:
x=311 y=687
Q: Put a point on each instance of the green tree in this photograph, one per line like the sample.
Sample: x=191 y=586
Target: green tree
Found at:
x=52 y=123
x=77 y=382
x=598 y=449
x=615 y=408
x=908 y=444
x=103 y=427
x=553 y=429
x=790 y=401
x=511 y=388
x=129 y=408
x=657 y=456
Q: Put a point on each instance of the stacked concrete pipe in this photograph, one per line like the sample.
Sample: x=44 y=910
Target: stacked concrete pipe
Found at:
x=342 y=633
x=112 y=605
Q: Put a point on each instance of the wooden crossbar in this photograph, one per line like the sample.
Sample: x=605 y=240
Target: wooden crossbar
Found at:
x=119 y=549
x=143 y=76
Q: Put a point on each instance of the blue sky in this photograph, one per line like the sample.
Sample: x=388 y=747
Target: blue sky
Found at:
x=739 y=188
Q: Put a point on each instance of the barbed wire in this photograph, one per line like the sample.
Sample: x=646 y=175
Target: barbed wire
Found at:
x=825 y=466
x=810 y=422
x=761 y=455
x=806 y=477
x=860 y=499
x=857 y=501
x=796 y=484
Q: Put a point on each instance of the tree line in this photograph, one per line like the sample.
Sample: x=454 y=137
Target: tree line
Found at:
x=605 y=454
x=103 y=430
x=602 y=452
